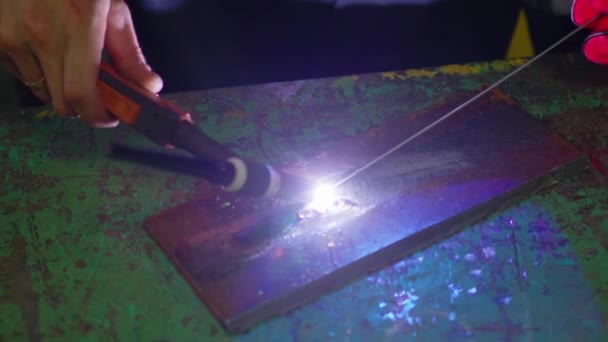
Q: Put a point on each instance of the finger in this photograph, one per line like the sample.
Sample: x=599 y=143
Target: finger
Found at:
x=595 y=48
x=585 y=10
x=8 y=41
x=600 y=5
x=45 y=40
x=81 y=64
x=30 y=72
x=123 y=48
x=52 y=67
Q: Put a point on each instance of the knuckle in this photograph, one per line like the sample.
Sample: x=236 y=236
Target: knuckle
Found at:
x=36 y=24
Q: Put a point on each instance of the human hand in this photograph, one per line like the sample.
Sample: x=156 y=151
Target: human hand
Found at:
x=55 y=47
x=595 y=46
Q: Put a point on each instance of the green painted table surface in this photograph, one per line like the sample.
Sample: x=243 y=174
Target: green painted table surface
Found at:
x=75 y=263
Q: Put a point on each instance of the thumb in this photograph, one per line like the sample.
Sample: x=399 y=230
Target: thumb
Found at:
x=123 y=49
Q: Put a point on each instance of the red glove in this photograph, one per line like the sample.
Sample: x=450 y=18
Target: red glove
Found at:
x=595 y=46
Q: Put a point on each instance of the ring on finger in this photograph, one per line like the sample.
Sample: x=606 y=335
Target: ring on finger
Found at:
x=35 y=85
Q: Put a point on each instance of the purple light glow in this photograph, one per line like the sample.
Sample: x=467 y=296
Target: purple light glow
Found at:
x=162 y=5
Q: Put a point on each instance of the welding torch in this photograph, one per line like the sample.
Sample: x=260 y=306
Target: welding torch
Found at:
x=165 y=124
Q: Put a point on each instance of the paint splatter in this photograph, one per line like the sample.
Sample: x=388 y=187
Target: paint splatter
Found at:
x=454 y=292
x=488 y=252
x=405 y=301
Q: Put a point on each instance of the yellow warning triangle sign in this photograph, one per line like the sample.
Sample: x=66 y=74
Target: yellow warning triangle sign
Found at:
x=521 y=42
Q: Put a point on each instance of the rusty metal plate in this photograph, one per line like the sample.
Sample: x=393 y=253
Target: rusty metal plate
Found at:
x=251 y=259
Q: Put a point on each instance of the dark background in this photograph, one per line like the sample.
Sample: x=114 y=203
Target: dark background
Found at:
x=208 y=44
x=220 y=43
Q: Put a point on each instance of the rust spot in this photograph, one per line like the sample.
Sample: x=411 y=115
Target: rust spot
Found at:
x=114 y=233
x=86 y=327
x=57 y=331
x=88 y=294
x=118 y=223
x=498 y=94
x=111 y=317
x=80 y=263
x=18 y=287
x=186 y=320
x=60 y=196
x=151 y=251
x=103 y=218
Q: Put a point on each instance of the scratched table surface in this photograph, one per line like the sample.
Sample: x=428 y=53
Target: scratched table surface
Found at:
x=76 y=264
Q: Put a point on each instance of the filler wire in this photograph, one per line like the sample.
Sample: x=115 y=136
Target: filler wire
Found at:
x=464 y=104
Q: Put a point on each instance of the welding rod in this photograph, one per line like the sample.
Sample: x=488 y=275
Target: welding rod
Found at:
x=463 y=105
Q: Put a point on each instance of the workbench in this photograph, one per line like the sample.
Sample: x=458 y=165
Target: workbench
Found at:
x=77 y=265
